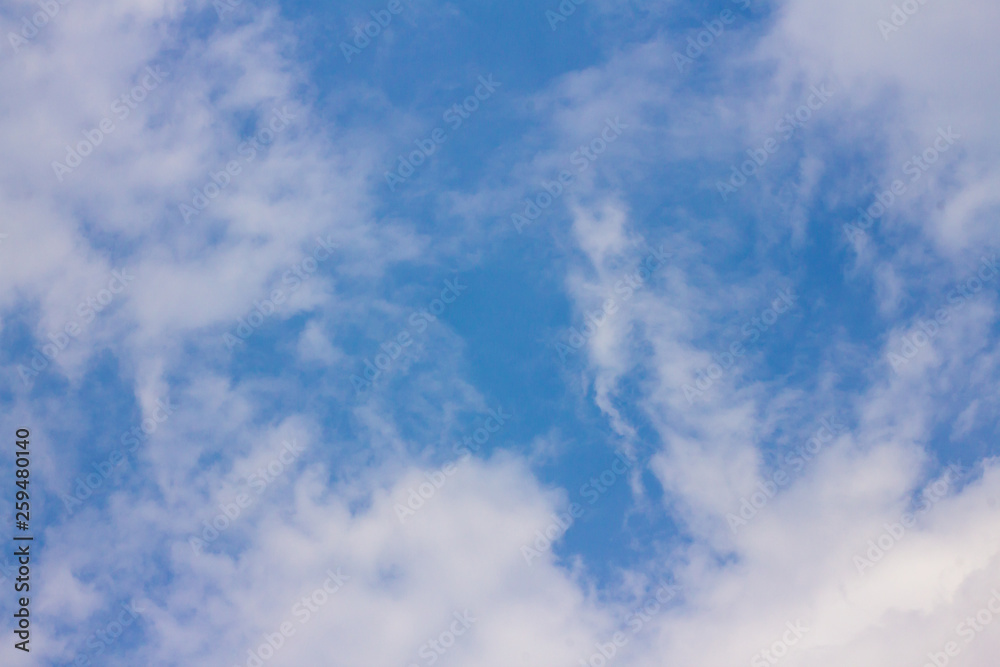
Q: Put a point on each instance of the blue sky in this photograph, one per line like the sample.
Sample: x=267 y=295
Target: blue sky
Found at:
x=612 y=329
